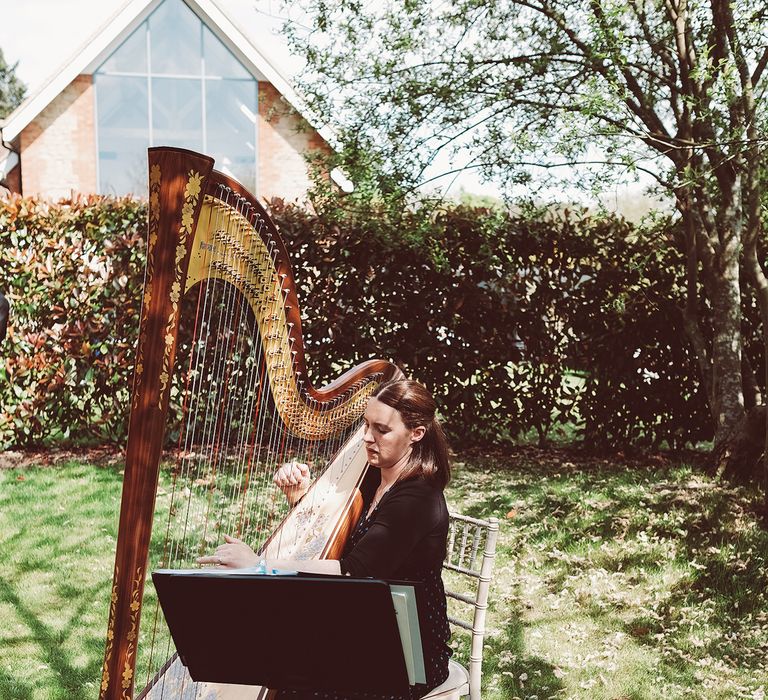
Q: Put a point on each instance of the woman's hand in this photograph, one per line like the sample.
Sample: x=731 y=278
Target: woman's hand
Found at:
x=294 y=480
x=234 y=554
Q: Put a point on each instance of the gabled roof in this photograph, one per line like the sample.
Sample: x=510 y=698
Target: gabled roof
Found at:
x=118 y=27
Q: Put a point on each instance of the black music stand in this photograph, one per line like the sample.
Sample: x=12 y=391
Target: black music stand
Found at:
x=286 y=632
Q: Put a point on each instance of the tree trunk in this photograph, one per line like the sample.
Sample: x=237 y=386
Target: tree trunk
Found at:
x=690 y=312
x=752 y=394
x=713 y=245
x=743 y=453
x=725 y=297
x=760 y=283
x=726 y=355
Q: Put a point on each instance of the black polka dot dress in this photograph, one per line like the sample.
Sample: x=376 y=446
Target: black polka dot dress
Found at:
x=403 y=539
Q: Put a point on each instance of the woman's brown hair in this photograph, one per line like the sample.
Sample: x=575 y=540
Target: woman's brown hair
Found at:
x=429 y=456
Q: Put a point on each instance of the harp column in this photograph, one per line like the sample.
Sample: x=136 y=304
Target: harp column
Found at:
x=177 y=181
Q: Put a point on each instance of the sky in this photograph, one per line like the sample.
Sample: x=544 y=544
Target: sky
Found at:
x=53 y=31
x=56 y=29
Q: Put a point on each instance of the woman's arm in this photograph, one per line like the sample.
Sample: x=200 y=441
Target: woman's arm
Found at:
x=294 y=480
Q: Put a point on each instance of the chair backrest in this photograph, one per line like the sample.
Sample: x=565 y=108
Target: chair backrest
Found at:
x=470 y=554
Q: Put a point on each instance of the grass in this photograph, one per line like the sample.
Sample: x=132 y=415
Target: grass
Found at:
x=615 y=579
x=57 y=538
x=620 y=580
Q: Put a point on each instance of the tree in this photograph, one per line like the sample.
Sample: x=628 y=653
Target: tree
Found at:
x=670 y=87
x=12 y=90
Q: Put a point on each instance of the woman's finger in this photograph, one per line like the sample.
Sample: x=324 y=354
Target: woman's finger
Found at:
x=283 y=474
x=209 y=560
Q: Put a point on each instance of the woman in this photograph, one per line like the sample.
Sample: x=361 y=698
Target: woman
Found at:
x=402 y=532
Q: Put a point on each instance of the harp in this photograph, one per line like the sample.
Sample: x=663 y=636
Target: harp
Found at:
x=221 y=375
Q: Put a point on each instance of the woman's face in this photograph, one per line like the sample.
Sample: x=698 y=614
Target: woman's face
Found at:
x=387 y=439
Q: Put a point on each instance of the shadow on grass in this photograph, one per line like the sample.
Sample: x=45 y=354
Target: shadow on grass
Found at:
x=640 y=520
x=71 y=679
x=11 y=687
x=518 y=672
x=729 y=549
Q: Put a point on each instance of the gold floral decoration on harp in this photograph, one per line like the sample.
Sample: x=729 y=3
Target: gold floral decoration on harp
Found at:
x=132 y=636
x=155 y=178
x=110 y=635
x=191 y=195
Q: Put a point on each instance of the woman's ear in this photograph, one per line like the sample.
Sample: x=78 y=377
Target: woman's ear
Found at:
x=417 y=433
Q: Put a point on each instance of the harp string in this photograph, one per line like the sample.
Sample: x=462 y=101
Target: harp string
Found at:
x=211 y=384
x=232 y=436
x=248 y=407
x=274 y=441
x=216 y=404
x=233 y=429
x=190 y=448
x=236 y=308
x=251 y=465
x=256 y=373
x=259 y=376
x=167 y=555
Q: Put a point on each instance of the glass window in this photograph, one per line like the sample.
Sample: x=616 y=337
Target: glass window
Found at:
x=123 y=134
x=131 y=56
x=202 y=98
x=177 y=113
x=176 y=44
x=219 y=61
x=231 y=127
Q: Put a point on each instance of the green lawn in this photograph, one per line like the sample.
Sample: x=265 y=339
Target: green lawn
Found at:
x=57 y=538
x=614 y=580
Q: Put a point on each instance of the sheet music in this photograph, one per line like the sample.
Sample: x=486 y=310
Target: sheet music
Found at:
x=269 y=566
x=404 y=600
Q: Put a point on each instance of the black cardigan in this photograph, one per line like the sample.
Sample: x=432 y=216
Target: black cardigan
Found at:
x=407 y=534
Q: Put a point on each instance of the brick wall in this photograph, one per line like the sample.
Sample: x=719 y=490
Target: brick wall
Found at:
x=58 y=148
x=13 y=179
x=284 y=138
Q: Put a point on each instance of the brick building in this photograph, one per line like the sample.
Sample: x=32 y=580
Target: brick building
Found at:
x=160 y=72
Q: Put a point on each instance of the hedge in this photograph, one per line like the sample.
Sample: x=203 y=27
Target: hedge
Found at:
x=73 y=274
x=588 y=296
x=520 y=324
